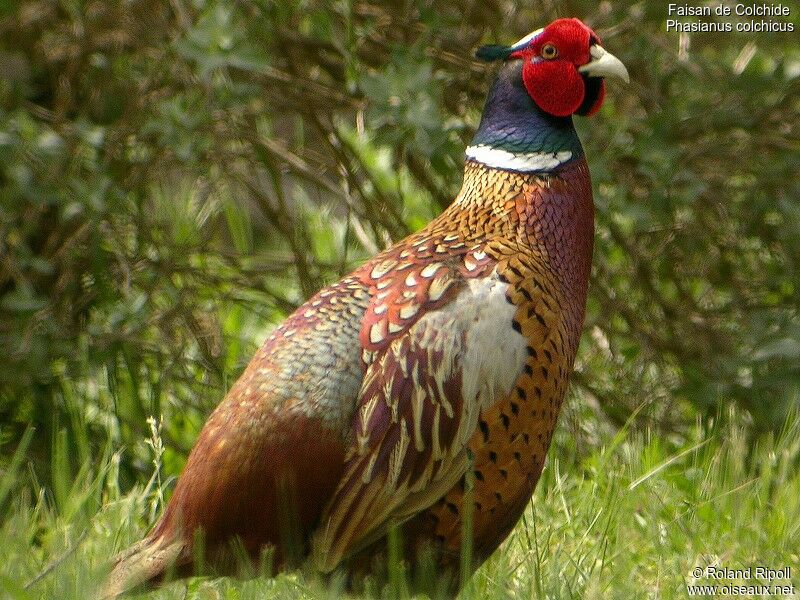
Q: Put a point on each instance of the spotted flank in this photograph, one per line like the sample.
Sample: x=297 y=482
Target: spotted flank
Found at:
x=419 y=407
x=466 y=346
x=410 y=282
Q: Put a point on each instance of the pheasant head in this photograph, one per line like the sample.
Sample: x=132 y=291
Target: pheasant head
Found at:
x=546 y=77
x=563 y=67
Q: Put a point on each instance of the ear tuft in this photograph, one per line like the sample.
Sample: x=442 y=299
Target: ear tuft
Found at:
x=493 y=52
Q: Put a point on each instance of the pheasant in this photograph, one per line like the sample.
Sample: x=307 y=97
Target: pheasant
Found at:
x=421 y=391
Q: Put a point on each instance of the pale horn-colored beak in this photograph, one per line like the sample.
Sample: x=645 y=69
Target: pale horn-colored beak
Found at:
x=604 y=64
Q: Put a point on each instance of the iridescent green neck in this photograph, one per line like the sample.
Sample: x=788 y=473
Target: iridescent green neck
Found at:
x=515 y=134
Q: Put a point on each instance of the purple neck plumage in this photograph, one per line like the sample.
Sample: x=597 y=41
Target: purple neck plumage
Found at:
x=541 y=156
x=516 y=135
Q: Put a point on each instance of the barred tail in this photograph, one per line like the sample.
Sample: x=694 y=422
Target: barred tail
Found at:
x=143 y=562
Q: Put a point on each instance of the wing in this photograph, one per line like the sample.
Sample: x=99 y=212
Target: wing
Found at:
x=438 y=346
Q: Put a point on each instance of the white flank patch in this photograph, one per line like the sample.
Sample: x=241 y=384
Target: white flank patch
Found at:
x=495 y=352
x=475 y=332
x=517 y=161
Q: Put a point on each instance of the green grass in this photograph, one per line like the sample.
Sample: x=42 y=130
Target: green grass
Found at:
x=630 y=519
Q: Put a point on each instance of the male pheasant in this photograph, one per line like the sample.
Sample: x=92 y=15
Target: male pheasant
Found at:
x=447 y=353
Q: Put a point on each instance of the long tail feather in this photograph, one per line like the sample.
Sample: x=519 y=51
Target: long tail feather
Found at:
x=143 y=562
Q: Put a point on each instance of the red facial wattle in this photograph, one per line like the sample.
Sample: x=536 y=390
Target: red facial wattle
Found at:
x=560 y=99
x=597 y=97
x=555 y=84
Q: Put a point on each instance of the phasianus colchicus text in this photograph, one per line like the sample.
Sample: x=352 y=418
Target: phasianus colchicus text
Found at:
x=446 y=354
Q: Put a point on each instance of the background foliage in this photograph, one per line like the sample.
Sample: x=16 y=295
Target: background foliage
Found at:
x=176 y=177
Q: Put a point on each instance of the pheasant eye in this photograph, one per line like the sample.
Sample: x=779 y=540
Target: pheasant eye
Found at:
x=549 y=51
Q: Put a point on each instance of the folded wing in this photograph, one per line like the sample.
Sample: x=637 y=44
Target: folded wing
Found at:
x=425 y=384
